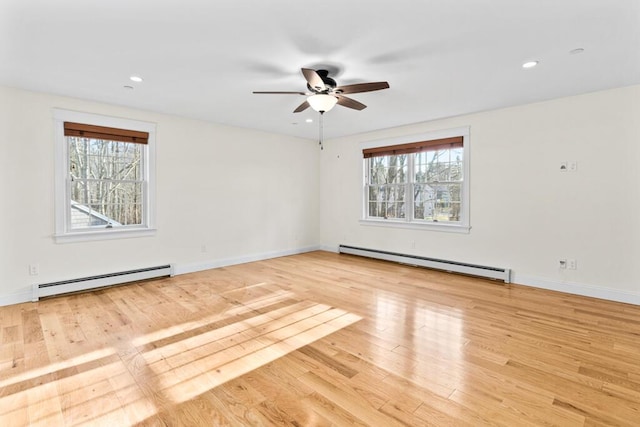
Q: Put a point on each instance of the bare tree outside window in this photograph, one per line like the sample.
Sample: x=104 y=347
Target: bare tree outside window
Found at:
x=387 y=184
x=106 y=182
x=418 y=182
x=438 y=184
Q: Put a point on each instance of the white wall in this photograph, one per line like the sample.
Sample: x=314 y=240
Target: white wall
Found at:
x=243 y=194
x=525 y=214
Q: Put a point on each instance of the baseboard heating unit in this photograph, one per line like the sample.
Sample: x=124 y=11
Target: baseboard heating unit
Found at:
x=93 y=282
x=438 y=264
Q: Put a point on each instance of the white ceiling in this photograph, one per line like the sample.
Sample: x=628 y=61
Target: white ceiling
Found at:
x=203 y=58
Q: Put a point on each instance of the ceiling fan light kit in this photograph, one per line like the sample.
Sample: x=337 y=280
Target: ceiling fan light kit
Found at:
x=322 y=103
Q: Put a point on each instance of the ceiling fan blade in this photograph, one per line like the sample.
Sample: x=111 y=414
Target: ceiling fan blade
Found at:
x=302 y=107
x=282 y=93
x=314 y=79
x=362 y=87
x=350 y=103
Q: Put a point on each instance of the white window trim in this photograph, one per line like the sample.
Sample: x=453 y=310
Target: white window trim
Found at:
x=62 y=232
x=464 y=226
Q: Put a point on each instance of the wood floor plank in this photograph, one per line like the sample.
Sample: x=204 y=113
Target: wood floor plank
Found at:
x=320 y=339
x=348 y=400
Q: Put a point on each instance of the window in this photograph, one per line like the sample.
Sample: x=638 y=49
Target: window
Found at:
x=421 y=183
x=104 y=177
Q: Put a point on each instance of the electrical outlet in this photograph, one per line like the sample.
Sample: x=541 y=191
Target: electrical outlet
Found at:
x=562 y=263
x=573 y=166
x=34 y=269
x=572 y=264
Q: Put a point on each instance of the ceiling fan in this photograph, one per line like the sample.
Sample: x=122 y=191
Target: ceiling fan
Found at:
x=324 y=93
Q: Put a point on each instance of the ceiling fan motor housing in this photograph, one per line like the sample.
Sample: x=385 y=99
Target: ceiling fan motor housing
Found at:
x=328 y=82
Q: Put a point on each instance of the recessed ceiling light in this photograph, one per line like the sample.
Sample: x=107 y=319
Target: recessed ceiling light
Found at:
x=136 y=79
x=309 y=120
x=576 y=51
x=530 y=64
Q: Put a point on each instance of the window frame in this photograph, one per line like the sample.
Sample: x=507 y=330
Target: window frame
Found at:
x=63 y=232
x=462 y=226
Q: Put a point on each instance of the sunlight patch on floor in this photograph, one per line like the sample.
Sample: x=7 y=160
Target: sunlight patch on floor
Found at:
x=57 y=366
x=106 y=392
x=191 y=325
x=190 y=371
x=118 y=385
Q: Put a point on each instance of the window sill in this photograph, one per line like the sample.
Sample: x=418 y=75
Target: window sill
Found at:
x=103 y=234
x=448 y=228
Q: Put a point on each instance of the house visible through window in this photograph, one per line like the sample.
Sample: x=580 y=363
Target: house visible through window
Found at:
x=103 y=177
x=417 y=183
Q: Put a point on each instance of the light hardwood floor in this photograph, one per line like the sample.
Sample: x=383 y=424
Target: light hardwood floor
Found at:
x=320 y=339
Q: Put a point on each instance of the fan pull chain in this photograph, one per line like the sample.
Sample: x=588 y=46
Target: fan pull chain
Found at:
x=321 y=130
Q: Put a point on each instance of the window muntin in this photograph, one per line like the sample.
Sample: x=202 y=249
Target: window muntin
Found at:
x=431 y=191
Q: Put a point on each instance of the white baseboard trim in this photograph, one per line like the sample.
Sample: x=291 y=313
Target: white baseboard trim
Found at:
x=574 y=288
x=567 y=287
x=578 y=289
x=26 y=296
x=16 y=298
x=208 y=265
